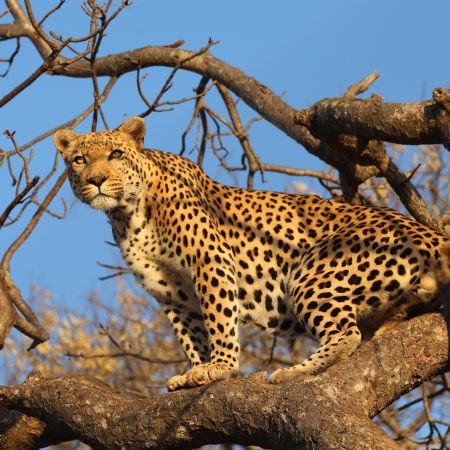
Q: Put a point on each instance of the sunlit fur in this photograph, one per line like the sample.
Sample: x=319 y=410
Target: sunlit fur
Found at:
x=213 y=255
x=116 y=189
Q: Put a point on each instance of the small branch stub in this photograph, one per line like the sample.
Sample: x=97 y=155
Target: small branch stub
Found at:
x=362 y=86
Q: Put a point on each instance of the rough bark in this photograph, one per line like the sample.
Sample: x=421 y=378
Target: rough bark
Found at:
x=402 y=123
x=304 y=413
x=20 y=431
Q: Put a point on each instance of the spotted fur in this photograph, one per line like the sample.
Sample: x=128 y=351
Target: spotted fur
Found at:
x=214 y=255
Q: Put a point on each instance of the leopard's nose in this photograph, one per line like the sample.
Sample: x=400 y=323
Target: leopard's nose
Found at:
x=97 y=180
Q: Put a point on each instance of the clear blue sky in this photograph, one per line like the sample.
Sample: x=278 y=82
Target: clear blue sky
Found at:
x=305 y=49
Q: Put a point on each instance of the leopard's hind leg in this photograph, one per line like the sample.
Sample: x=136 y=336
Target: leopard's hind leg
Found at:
x=333 y=348
x=339 y=337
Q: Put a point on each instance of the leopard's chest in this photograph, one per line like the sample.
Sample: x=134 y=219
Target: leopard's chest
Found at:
x=137 y=240
x=151 y=261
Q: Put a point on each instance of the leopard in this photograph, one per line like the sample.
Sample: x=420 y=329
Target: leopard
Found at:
x=216 y=257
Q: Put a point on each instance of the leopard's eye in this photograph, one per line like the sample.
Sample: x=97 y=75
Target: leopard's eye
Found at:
x=116 y=154
x=79 y=160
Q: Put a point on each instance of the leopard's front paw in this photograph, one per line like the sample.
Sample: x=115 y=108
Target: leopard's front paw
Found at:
x=283 y=375
x=177 y=382
x=200 y=375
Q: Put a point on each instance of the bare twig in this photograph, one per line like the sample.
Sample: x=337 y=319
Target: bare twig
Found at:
x=241 y=134
x=17 y=200
x=70 y=123
x=409 y=196
x=168 y=84
x=28 y=324
x=119 y=270
x=272 y=351
x=49 y=13
x=10 y=60
x=125 y=353
x=155 y=107
x=33 y=77
x=299 y=172
x=96 y=42
x=5 y=12
x=204 y=126
x=37 y=28
x=198 y=111
x=5 y=263
x=10 y=136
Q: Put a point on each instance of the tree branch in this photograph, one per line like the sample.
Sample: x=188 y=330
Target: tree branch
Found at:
x=402 y=123
x=300 y=414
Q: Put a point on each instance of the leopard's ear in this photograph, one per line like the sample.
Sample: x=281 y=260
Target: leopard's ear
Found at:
x=62 y=140
x=134 y=127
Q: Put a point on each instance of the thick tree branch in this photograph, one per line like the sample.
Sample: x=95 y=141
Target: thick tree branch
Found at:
x=343 y=154
x=241 y=134
x=10 y=30
x=28 y=324
x=443 y=277
x=252 y=92
x=23 y=25
x=402 y=123
x=300 y=414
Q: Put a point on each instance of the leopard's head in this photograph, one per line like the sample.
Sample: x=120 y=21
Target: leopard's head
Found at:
x=104 y=167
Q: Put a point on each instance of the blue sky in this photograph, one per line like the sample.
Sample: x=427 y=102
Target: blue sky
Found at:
x=306 y=50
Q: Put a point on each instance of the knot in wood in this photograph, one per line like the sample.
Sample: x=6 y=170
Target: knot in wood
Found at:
x=442 y=97
x=376 y=98
x=303 y=117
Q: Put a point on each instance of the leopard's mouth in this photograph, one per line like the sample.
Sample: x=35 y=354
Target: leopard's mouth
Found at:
x=100 y=193
x=103 y=202
x=104 y=197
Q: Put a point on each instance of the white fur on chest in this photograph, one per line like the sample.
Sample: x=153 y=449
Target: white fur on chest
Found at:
x=162 y=276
